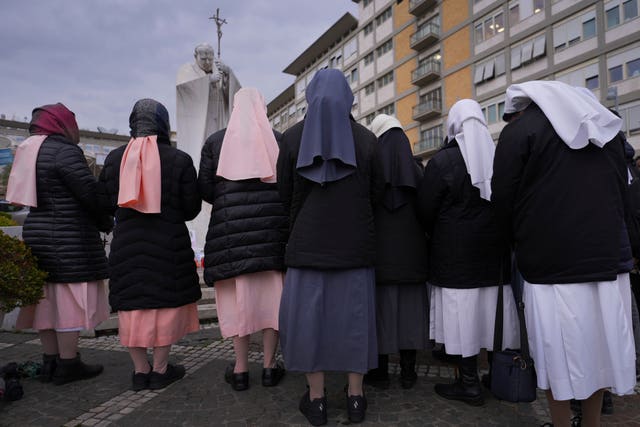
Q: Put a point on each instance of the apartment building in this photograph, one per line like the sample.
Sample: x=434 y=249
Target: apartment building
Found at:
x=415 y=58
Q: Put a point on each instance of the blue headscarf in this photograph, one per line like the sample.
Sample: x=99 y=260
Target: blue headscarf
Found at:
x=327 y=149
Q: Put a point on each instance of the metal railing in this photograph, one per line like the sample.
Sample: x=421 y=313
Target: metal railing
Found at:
x=428 y=67
x=428 y=29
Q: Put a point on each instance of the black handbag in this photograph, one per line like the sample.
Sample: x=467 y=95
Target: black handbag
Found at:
x=513 y=375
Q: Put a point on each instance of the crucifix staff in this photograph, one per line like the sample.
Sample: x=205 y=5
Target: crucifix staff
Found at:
x=219 y=22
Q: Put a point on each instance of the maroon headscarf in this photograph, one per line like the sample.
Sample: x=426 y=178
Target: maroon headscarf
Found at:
x=54 y=119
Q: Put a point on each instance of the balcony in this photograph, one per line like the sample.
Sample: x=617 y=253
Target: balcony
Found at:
x=427 y=110
x=426 y=36
x=426 y=146
x=426 y=72
x=419 y=7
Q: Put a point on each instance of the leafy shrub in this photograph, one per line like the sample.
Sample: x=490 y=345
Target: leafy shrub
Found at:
x=21 y=281
x=6 y=221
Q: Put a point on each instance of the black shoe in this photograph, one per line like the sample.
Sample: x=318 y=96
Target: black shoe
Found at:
x=576 y=406
x=48 y=367
x=171 y=375
x=356 y=408
x=69 y=370
x=408 y=376
x=607 y=403
x=467 y=387
x=239 y=381
x=140 y=380
x=485 y=380
x=314 y=410
x=272 y=376
x=379 y=377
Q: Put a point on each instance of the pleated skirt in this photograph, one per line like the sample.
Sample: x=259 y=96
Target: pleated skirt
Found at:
x=327 y=320
x=402 y=317
x=249 y=303
x=157 y=327
x=581 y=338
x=67 y=307
x=464 y=319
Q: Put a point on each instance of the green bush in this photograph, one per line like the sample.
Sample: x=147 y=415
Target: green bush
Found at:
x=21 y=281
x=6 y=221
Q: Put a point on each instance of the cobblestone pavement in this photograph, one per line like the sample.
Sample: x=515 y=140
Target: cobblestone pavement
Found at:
x=202 y=398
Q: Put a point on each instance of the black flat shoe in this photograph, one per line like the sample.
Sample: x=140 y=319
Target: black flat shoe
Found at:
x=139 y=381
x=171 y=375
x=272 y=376
x=238 y=381
x=314 y=410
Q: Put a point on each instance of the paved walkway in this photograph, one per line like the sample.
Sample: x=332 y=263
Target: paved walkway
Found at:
x=202 y=398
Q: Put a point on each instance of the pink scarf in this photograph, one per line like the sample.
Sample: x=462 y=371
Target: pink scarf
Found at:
x=140 y=182
x=21 y=189
x=249 y=148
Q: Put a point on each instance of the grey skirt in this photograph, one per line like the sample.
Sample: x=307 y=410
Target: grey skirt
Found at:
x=327 y=320
x=402 y=317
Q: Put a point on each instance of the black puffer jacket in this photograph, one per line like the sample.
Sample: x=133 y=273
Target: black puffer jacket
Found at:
x=63 y=230
x=332 y=225
x=248 y=227
x=151 y=259
x=467 y=249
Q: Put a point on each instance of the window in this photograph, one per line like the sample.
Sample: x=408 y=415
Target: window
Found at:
x=368 y=59
x=591 y=82
x=520 y=10
x=384 y=48
x=369 y=118
x=383 y=16
x=528 y=51
x=385 y=80
x=489 y=69
x=368 y=28
x=613 y=17
x=354 y=75
x=589 y=29
x=388 y=109
x=633 y=68
x=574 y=31
x=429 y=138
x=615 y=73
x=366 y=3
x=630 y=8
x=489 y=27
x=351 y=48
x=432 y=99
x=500 y=110
x=493 y=112
x=369 y=89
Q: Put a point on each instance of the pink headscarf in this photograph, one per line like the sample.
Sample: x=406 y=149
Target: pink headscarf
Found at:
x=140 y=175
x=53 y=119
x=249 y=148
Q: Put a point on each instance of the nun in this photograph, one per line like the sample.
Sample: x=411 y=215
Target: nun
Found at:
x=330 y=179
x=468 y=257
x=559 y=185
x=244 y=250
x=401 y=259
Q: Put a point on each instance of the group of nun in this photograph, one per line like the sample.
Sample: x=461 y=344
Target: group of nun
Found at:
x=324 y=237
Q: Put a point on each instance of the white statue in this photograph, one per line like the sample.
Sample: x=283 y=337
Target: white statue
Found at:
x=204 y=97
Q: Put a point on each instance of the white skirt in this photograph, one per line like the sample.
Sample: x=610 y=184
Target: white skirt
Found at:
x=464 y=319
x=580 y=337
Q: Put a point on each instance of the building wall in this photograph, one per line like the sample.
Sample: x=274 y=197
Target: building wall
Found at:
x=454 y=12
x=458 y=86
x=456 y=48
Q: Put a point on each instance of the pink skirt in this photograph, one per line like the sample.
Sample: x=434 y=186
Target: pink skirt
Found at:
x=67 y=306
x=249 y=303
x=157 y=327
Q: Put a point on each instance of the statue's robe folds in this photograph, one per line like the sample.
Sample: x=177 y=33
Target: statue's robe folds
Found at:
x=202 y=108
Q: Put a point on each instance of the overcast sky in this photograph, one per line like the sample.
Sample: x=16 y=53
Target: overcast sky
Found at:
x=99 y=56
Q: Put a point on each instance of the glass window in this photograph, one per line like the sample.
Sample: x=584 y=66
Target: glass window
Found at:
x=592 y=82
x=538 y=6
x=491 y=113
x=630 y=9
x=478 y=75
x=589 y=29
x=515 y=57
x=527 y=50
x=498 y=23
x=634 y=119
x=539 y=46
x=488 y=28
x=369 y=89
x=500 y=66
x=500 y=110
x=514 y=15
x=633 y=68
x=368 y=59
x=615 y=74
x=479 y=37
x=368 y=28
x=354 y=75
x=613 y=16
